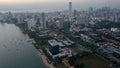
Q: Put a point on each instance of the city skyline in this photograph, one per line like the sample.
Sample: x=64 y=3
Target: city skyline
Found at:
x=44 y=5
x=59 y=34
x=43 y=1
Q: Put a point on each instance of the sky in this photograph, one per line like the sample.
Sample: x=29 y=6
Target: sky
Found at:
x=54 y=5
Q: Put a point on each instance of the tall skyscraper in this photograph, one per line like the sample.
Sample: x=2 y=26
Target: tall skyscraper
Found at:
x=43 y=21
x=70 y=8
x=70 y=11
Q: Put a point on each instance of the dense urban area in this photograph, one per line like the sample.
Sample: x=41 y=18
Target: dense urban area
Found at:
x=72 y=38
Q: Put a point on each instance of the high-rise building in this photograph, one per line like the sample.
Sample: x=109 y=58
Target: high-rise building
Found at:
x=75 y=12
x=66 y=26
x=43 y=21
x=61 y=22
x=31 y=23
x=70 y=11
x=70 y=8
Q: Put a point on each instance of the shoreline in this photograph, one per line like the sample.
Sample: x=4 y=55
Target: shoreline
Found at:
x=41 y=55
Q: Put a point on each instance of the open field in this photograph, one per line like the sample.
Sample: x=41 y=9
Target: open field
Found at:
x=93 y=61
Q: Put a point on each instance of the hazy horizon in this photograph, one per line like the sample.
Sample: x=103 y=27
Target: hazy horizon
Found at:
x=54 y=5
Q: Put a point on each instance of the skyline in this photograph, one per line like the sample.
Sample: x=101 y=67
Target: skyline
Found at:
x=46 y=1
x=54 y=5
x=59 y=33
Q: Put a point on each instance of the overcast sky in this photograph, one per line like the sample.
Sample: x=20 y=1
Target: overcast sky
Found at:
x=54 y=5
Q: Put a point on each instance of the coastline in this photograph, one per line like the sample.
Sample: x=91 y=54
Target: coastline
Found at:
x=41 y=55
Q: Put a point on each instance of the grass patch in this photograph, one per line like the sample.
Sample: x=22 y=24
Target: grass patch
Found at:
x=59 y=65
x=76 y=49
x=93 y=61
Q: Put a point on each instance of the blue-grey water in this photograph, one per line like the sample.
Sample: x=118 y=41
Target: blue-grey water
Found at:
x=15 y=51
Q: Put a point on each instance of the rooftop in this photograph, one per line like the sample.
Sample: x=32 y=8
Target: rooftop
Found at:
x=53 y=42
